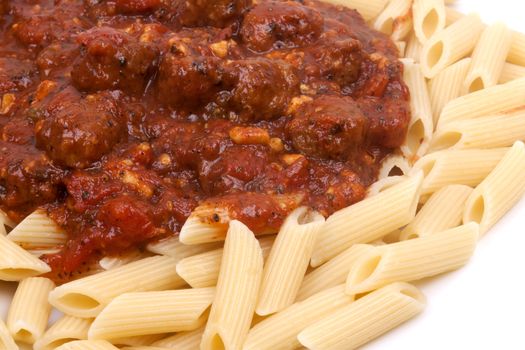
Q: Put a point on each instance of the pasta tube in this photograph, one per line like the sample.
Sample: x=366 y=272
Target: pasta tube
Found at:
x=450 y=45
x=443 y=210
x=511 y=72
x=29 y=310
x=368 y=220
x=396 y=19
x=237 y=289
x=502 y=188
x=64 y=330
x=37 y=231
x=285 y=268
x=87 y=345
x=413 y=48
x=488 y=58
x=429 y=18
x=280 y=330
x=517 y=49
x=6 y=341
x=143 y=313
x=365 y=319
x=189 y=340
x=174 y=248
x=16 y=263
x=413 y=259
x=87 y=296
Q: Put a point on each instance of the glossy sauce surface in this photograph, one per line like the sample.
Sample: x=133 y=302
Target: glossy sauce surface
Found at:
x=119 y=117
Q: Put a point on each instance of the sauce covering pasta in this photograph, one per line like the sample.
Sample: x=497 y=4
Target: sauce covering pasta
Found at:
x=119 y=117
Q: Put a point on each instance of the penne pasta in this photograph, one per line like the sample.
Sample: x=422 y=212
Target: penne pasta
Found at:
x=488 y=58
x=365 y=319
x=29 y=310
x=87 y=296
x=453 y=15
x=37 y=231
x=6 y=341
x=396 y=19
x=195 y=231
x=413 y=48
x=16 y=263
x=173 y=247
x=66 y=329
x=401 y=47
x=87 y=345
x=517 y=49
x=369 y=9
x=462 y=167
x=446 y=86
x=443 y=210
x=383 y=184
x=189 y=340
x=332 y=273
x=140 y=340
x=143 y=348
x=413 y=259
x=280 y=330
x=450 y=45
x=202 y=270
x=421 y=124
x=511 y=72
x=484 y=102
x=429 y=18
x=143 y=313
x=111 y=262
x=237 y=289
x=500 y=130
x=502 y=188
x=368 y=220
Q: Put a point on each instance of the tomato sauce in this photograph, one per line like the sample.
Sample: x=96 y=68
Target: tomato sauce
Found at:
x=119 y=117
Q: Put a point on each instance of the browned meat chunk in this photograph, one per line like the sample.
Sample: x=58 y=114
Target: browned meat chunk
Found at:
x=136 y=6
x=14 y=74
x=112 y=59
x=329 y=126
x=276 y=24
x=78 y=131
x=36 y=30
x=217 y=13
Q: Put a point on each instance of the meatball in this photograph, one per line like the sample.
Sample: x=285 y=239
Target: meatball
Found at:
x=14 y=74
x=217 y=13
x=276 y=24
x=261 y=88
x=113 y=59
x=78 y=132
x=136 y=6
x=188 y=81
x=328 y=127
x=36 y=30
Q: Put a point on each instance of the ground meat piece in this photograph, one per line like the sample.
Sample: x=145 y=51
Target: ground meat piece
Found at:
x=188 y=81
x=329 y=126
x=15 y=74
x=4 y=8
x=79 y=131
x=217 y=13
x=54 y=56
x=261 y=88
x=276 y=24
x=136 y=6
x=112 y=59
x=37 y=30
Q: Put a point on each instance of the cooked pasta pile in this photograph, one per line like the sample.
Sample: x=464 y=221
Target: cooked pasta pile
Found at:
x=318 y=284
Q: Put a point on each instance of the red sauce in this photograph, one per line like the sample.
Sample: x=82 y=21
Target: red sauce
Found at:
x=119 y=117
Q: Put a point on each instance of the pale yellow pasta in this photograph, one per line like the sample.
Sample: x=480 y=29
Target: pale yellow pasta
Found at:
x=143 y=348
x=369 y=9
x=488 y=58
x=452 y=15
x=498 y=193
x=177 y=250
x=139 y=340
x=237 y=290
x=443 y=210
x=413 y=48
x=450 y=45
x=395 y=19
x=37 y=253
x=517 y=49
x=429 y=18
x=87 y=345
x=66 y=329
x=143 y=313
x=202 y=270
x=37 y=230
x=413 y=259
x=332 y=273
x=421 y=124
x=195 y=231
x=368 y=220
x=500 y=130
x=393 y=165
x=6 y=341
x=383 y=184
x=446 y=86
x=189 y=340
x=464 y=167
x=29 y=311
x=365 y=319
x=16 y=263
x=87 y=296
x=112 y=262
x=511 y=72
x=401 y=47
x=280 y=330
x=288 y=261
x=484 y=102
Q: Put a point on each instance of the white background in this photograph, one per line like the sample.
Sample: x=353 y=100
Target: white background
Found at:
x=481 y=306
